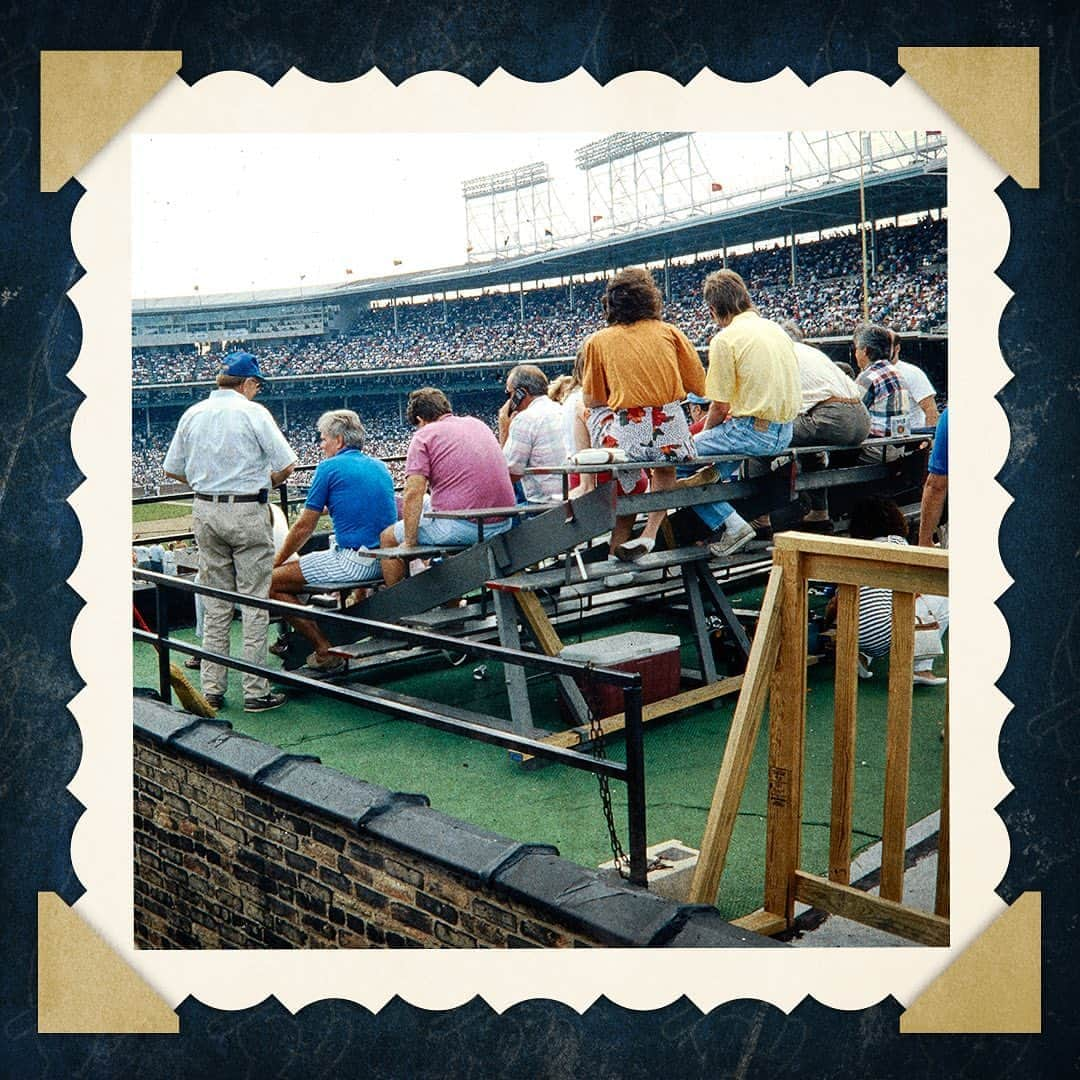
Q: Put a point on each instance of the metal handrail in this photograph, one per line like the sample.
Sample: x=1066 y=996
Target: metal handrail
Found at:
x=632 y=773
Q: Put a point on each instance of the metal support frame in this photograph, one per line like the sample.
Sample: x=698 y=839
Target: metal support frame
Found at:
x=457 y=721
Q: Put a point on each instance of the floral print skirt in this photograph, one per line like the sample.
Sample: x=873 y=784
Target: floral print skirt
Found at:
x=646 y=433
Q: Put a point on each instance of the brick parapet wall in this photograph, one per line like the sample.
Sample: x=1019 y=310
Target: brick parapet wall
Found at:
x=241 y=845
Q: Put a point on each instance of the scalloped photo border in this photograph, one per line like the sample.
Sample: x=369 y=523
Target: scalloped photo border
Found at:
x=102 y=842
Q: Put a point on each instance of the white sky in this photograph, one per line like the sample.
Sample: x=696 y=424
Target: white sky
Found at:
x=233 y=213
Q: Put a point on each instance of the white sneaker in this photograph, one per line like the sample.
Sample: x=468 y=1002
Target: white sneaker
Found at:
x=928 y=678
x=737 y=534
x=864 y=667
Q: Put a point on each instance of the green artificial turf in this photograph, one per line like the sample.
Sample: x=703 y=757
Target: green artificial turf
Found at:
x=561 y=806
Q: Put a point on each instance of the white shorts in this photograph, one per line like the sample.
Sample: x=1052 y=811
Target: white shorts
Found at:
x=337 y=564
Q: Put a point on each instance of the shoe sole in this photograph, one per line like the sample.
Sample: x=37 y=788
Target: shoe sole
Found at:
x=630 y=554
x=263 y=708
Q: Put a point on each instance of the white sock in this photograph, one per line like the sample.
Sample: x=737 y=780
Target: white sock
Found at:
x=735 y=523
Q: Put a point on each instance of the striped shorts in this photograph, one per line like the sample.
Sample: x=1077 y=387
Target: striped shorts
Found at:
x=338 y=564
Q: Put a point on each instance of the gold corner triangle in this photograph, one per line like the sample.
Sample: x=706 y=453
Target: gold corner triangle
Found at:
x=87 y=97
x=994 y=987
x=84 y=987
x=992 y=93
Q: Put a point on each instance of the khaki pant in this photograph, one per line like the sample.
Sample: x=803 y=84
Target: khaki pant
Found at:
x=236 y=552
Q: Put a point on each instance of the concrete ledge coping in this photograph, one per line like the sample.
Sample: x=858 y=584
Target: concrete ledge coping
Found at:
x=330 y=792
x=457 y=844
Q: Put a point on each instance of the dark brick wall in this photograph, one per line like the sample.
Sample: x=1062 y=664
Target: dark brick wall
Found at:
x=239 y=845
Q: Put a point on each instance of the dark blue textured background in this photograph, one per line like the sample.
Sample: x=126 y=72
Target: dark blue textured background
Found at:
x=39 y=340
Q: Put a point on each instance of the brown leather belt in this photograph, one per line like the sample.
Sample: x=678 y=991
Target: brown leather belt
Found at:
x=261 y=496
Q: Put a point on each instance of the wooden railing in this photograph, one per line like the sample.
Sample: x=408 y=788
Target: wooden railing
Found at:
x=779 y=657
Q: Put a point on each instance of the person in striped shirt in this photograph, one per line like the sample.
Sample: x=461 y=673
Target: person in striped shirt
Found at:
x=875 y=518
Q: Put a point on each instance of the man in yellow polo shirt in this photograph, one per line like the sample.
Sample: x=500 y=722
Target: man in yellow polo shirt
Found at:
x=753 y=384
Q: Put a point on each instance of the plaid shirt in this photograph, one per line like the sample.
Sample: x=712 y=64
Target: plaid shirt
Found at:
x=886 y=398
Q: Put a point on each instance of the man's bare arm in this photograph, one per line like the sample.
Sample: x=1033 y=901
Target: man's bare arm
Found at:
x=718 y=413
x=412 y=503
x=929 y=407
x=279 y=478
x=933 y=504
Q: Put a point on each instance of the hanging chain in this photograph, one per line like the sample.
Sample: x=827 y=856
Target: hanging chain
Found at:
x=596 y=745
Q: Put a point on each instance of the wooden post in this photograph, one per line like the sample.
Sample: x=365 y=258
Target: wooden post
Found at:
x=739 y=749
x=898 y=746
x=787 y=717
x=844 y=713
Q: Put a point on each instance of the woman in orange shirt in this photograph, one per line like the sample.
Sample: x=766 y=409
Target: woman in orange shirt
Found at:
x=637 y=372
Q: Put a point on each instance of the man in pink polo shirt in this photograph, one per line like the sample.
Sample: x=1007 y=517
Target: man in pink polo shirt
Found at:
x=459 y=459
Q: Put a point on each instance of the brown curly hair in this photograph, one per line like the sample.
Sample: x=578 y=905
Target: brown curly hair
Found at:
x=632 y=295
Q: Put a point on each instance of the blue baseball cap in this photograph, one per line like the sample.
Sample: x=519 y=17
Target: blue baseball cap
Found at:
x=242 y=365
x=697 y=399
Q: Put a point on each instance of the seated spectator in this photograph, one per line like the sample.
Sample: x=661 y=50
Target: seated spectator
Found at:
x=459 y=459
x=924 y=411
x=875 y=518
x=359 y=494
x=753 y=386
x=530 y=433
x=831 y=414
x=637 y=370
x=698 y=407
x=883 y=392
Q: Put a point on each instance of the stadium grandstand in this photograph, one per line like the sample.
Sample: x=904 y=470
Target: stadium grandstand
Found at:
x=365 y=344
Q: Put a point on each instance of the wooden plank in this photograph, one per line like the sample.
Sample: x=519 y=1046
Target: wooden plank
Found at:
x=609 y=725
x=887 y=915
x=941 y=893
x=897 y=746
x=844 y=714
x=852 y=570
x=787 y=719
x=877 y=550
x=539 y=623
x=760 y=922
x=739 y=749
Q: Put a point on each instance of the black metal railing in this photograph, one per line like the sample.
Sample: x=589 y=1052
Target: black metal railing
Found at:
x=632 y=773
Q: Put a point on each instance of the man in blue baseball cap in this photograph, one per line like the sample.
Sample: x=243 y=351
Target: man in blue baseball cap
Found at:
x=231 y=452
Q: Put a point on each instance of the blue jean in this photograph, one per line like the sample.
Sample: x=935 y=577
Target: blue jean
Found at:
x=736 y=437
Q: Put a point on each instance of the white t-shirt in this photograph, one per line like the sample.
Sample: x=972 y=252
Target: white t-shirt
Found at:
x=535 y=439
x=570 y=406
x=820 y=378
x=919 y=387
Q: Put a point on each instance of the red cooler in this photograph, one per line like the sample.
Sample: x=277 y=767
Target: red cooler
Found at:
x=655 y=657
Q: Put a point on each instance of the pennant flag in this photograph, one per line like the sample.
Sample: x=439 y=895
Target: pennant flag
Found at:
x=598 y=217
x=717 y=187
x=548 y=232
x=397 y=262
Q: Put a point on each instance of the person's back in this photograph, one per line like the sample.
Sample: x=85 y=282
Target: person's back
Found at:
x=358 y=490
x=463 y=463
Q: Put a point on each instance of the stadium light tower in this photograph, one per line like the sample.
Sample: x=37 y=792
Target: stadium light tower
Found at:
x=640 y=178
x=826 y=157
x=514 y=212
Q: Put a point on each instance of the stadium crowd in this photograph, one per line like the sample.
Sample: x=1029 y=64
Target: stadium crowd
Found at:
x=907 y=292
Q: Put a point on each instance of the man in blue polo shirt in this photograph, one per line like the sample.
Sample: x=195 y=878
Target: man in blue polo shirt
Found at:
x=359 y=494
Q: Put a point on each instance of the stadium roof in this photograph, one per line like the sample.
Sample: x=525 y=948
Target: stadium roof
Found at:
x=891 y=193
